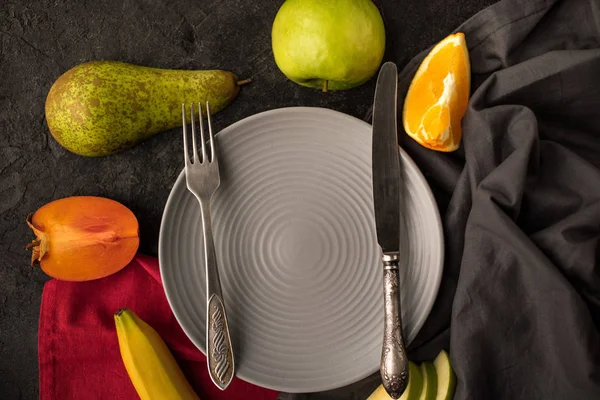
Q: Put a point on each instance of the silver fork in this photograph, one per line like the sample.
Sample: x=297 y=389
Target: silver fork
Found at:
x=202 y=176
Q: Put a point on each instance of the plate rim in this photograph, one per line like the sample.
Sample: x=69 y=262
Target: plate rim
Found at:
x=352 y=119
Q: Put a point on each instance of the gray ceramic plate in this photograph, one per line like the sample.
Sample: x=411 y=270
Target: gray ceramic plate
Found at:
x=297 y=250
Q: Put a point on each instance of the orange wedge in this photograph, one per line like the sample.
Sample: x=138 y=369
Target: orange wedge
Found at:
x=438 y=95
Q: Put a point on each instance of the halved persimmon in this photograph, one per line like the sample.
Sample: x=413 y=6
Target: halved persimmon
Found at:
x=438 y=96
x=81 y=238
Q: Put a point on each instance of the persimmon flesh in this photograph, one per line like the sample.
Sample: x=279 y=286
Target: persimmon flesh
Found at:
x=82 y=238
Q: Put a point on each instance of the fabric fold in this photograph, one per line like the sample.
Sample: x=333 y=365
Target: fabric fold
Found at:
x=522 y=225
x=78 y=349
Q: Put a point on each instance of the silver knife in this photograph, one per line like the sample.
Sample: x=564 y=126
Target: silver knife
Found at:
x=387 y=183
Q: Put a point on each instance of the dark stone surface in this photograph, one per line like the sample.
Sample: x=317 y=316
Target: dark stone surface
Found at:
x=41 y=39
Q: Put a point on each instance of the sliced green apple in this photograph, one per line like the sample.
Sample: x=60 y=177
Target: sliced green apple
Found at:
x=429 y=391
x=379 y=394
x=415 y=383
x=413 y=390
x=446 y=380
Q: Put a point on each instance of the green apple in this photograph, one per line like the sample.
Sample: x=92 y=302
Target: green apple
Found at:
x=415 y=383
x=446 y=380
x=412 y=391
x=429 y=391
x=329 y=44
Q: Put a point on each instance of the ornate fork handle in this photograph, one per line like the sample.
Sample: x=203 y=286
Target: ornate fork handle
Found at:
x=394 y=362
x=218 y=342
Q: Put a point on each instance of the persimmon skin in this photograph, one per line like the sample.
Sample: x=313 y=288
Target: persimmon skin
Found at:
x=81 y=238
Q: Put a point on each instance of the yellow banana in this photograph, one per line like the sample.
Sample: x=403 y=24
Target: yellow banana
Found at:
x=149 y=363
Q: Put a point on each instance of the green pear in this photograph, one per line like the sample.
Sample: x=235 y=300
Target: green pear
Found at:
x=100 y=108
x=329 y=44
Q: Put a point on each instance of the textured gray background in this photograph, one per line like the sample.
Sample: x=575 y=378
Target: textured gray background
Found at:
x=41 y=39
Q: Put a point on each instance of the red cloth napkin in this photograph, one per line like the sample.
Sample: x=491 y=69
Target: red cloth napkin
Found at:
x=78 y=349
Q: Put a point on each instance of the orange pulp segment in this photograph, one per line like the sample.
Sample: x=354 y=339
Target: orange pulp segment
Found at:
x=438 y=95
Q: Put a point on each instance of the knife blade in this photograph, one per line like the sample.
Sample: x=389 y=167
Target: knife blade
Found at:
x=387 y=181
x=386 y=160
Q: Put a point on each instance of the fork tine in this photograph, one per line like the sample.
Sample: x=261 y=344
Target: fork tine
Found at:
x=185 y=146
x=204 y=158
x=210 y=134
x=194 y=145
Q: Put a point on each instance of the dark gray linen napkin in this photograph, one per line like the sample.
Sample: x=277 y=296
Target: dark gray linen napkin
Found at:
x=521 y=291
x=519 y=304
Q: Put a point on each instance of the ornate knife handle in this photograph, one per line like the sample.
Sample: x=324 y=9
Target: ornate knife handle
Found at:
x=394 y=362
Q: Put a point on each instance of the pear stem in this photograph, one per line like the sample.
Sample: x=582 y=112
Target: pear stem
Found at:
x=243 y=81
x=325 y=86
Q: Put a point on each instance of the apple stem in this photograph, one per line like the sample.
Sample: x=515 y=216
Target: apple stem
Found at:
x=243 y=81
x=325 y=86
